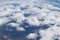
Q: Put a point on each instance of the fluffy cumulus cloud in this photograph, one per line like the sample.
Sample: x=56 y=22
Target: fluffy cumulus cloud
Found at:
x=51 y=33
x=32 y=36
x=16 y=25
x=34 y=13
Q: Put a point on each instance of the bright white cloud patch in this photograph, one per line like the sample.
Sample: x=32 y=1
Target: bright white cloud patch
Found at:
x=16 y=25
x=32 y=36
x=3 y=20
x=34 y=9
x=50 y=33
x=34 y=13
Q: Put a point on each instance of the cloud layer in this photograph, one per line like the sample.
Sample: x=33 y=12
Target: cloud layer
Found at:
x=34 y=13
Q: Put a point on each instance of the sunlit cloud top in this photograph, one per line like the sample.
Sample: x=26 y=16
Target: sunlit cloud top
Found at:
x=35 y=13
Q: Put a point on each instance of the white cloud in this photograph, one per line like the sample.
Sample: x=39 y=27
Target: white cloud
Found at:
x=5 y=36
x=20 y=29
x=17 y=26
x=36 y=13
x=13 y=24
x=33 y=21
x=46 y=12
x=31 y=36
x=19 y=17
x=49 y=34
x=3 y=20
